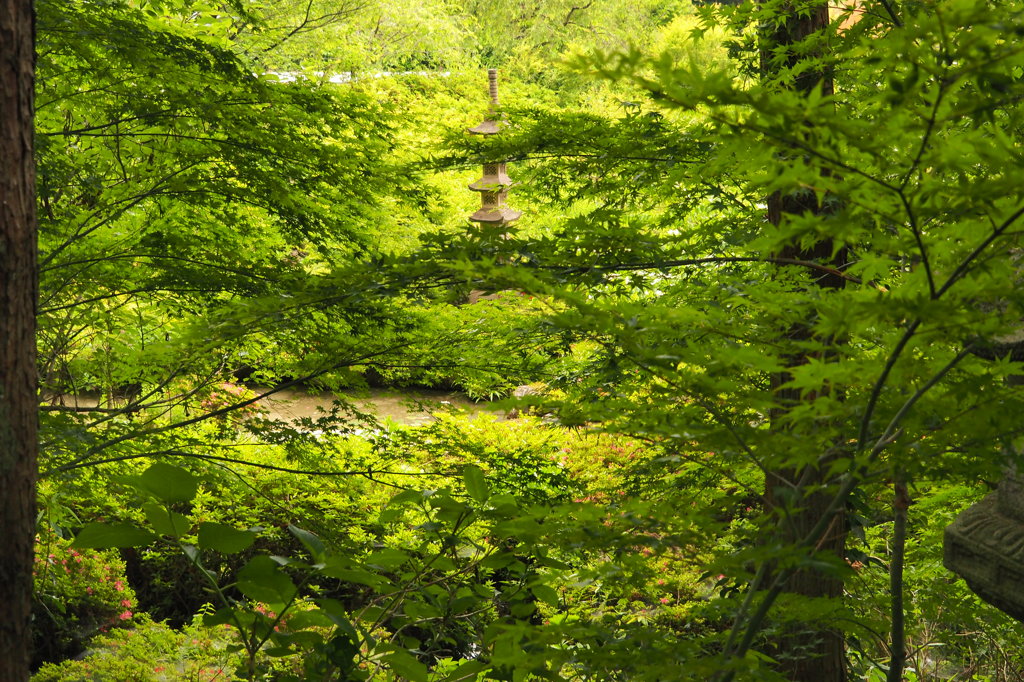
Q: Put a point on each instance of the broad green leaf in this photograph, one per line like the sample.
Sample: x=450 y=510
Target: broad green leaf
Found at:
x=390 y=514
x=405 y=665
x=341 y=650
x=312 y=543
x=545 y=593
x=219 y=617
x=225 y=539
x=309 y=619
x=406 y=497
x=263 y=580
x=338 y=614
x=107 y=535
x=169 y=483
x=420 y=610
x=304 y=640
x=466 y=672
x=497 y=560
x=166 y=521
x=387 y=558
x=476 y=484
x=353 y=575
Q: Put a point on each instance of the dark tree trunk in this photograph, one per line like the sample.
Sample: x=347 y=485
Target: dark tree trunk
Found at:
x=815 y=655
x=18 y=416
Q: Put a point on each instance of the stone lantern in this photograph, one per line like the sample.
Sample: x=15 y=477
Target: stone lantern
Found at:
x=493 y=186
x=985 y=544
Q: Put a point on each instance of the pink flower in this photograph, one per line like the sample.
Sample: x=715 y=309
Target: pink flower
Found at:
x=664 y=600
x=125 y=615
x=126 y=602
x=119 y=586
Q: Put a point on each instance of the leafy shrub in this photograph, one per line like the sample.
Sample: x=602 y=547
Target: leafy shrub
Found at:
x=520 y=456
x=150 y=652
x=488 y=541
x=78 y=593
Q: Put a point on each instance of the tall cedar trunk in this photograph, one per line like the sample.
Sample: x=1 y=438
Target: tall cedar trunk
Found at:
x=815 y=655
x=18 y=417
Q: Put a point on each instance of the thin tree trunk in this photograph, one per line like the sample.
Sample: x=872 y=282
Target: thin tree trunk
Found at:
x=817 y=654
x=18 y=416
x=898 y=639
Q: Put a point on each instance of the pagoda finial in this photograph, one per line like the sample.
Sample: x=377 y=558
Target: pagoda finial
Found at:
x=494 y=184
x=492 y=81
x=490 y=125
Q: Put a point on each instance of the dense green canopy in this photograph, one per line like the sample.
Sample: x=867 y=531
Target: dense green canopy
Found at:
x=242 y=194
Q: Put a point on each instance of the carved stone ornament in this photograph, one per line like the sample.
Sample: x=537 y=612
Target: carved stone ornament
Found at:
x=985 y=546
x=493 y=185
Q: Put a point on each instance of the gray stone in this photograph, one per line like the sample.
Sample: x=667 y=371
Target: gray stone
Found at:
x=1010 y=500
x=985 y=546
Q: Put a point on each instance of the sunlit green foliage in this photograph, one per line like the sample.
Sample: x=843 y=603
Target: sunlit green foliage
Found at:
x=205 y=222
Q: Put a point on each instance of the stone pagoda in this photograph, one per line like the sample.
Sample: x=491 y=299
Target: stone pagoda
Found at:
x=493 y=186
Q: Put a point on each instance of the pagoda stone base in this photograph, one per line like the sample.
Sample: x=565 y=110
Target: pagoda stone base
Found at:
x=985 y=546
